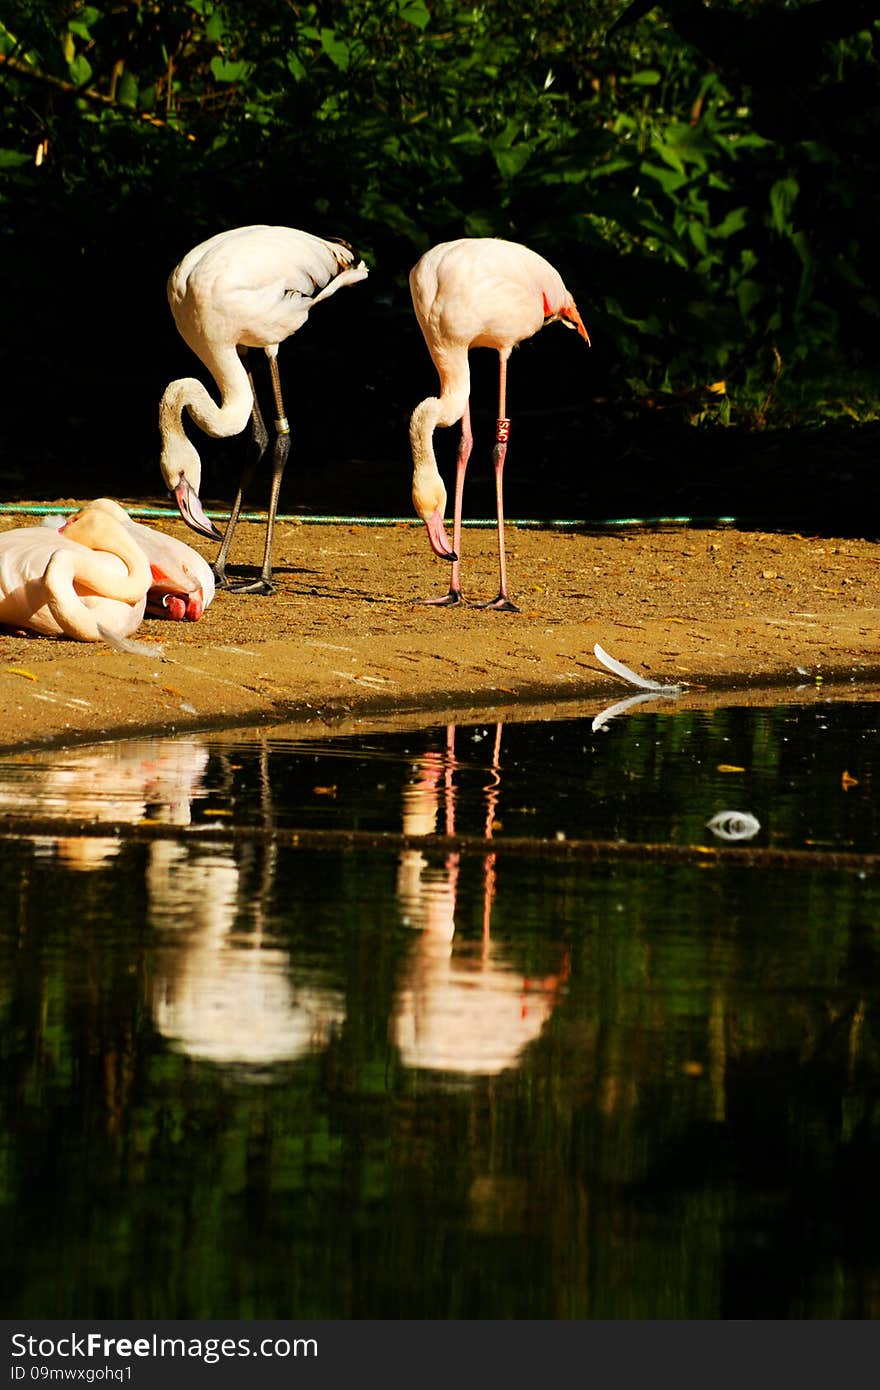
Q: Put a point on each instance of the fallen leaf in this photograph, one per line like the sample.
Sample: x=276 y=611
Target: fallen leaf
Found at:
x=20 y=671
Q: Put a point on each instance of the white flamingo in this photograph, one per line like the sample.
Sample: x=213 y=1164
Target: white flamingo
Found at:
x=474 y=292
x=251 y=287
x=90 y=575
x=183 y=581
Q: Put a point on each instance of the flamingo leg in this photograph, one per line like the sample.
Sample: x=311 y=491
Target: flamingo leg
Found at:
x=502 y=603
x=260 y=439
x=280 y=453
x=466 y=443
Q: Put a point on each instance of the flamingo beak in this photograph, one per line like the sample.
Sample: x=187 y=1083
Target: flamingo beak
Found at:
x=193 y=512
x=437 y=536
x=173 y=598
x=574 y=320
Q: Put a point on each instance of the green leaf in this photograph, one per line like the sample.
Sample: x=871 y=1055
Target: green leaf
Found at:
x=215 y=28
x=127 y=89
x=671 y=156
x=511 y=160
x=414 y=12
x=82 y=24
x=226 y=70
x=782 y=200
x=80 y=70
x=648 y=77
x=734 y=222
x=337 y=49
x=697 y=233
x=748 y=294
x=480 y=224
x=670 y=182
x=14 y=159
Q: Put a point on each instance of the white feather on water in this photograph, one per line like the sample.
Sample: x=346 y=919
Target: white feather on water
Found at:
x=634 y=679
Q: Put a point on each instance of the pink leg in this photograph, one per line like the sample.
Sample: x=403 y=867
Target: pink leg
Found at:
x=502 y=431
x=464 y=452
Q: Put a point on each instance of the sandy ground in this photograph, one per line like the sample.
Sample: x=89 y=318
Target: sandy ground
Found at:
x=344 y=642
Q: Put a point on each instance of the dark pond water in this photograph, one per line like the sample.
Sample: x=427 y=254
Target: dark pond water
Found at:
x=254 y=1078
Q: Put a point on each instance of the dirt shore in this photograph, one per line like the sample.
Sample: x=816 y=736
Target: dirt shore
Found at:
x=343 y=640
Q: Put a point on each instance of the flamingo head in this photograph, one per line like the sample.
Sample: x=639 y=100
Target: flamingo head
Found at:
x=182 y=471
x=571 y=318
x=192 y=511
x=567 y=315
x=179 y=597
x=429 y=500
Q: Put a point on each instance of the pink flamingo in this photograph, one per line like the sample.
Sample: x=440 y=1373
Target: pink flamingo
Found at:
x=183 y=581
x=86 y=580
x=474 y=292
x=251 y=287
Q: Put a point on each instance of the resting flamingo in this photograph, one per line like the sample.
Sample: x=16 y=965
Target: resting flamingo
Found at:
x=183 y=581
x=474 y=292
x=89 y=578
x=251 y=287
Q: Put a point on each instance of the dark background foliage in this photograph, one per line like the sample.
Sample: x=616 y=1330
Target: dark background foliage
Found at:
x=704 y=176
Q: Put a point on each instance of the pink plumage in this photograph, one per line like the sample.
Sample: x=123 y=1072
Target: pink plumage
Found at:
x=474 y=292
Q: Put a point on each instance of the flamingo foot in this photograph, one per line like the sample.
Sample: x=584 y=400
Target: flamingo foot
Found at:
x=450 y=600
x=501 y=604
x=250 y=586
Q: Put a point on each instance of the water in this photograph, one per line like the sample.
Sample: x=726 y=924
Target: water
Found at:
x=249 y=1076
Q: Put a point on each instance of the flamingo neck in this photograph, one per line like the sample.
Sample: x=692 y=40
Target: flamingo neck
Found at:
x=180 y=459
x=64 y=577
x=432 y=413
x=106 y=558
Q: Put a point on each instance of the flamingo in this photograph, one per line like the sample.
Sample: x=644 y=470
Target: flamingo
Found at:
x=183 y=581
x=474 y=292
x=251 y=287
x=89 y=578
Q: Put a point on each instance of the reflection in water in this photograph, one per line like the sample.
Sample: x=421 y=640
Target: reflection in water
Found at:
x=493 y=1083
x=128 y=781
x=461 y=1008
x=223 y=990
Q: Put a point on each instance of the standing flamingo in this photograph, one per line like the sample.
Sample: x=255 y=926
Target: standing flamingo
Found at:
x=474 y=292
x=250 y=287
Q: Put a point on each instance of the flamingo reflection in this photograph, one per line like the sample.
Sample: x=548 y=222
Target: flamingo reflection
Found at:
x=128 y=781
x=225 y=989
x=463 y=1008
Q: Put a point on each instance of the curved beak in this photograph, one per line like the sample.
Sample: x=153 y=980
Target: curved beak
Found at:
x=193 y=512
x=437 y=536
x=572 y=319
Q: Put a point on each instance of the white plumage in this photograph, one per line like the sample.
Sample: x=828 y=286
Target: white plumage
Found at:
x=92 y=575
x=251 y=287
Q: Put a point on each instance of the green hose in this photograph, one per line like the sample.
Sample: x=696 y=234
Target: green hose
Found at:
x=530 y=524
